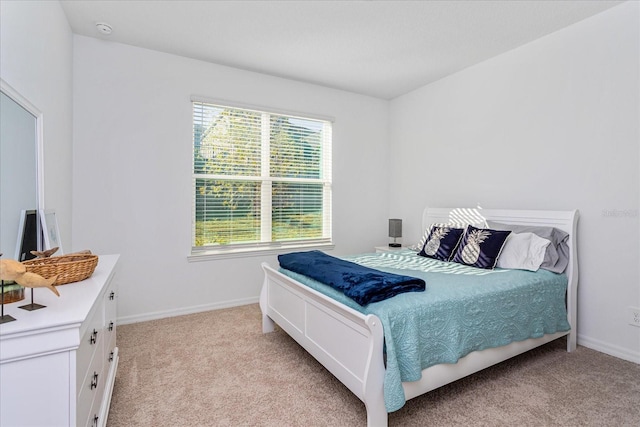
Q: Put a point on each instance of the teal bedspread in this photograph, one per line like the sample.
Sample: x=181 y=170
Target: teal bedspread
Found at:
x=462 y=309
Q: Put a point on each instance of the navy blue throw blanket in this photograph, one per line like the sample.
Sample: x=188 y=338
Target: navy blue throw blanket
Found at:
x=362 y=284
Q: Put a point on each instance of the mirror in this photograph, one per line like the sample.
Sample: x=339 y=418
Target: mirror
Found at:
x=20 y=164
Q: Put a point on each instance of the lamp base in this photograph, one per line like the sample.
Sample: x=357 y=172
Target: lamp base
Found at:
x=395 y=245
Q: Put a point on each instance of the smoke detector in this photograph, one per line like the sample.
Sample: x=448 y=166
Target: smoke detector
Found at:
x=103 y=28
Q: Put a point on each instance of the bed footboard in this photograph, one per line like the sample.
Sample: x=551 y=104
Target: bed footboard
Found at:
x=340 y=338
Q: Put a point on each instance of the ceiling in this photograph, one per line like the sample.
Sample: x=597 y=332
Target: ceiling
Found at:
x=378 y=48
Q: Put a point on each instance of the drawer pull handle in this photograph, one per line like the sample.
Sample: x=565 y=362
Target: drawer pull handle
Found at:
x=111 y=357
x=110 y=326
x=95 y=420
x=94 y=336
x=94 y=381
x=112 y=295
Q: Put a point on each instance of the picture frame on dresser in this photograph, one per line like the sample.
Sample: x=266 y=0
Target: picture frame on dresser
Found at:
x=28 y=238
x=50 y=231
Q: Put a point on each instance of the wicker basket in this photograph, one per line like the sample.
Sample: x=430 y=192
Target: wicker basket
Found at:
x=69 y=268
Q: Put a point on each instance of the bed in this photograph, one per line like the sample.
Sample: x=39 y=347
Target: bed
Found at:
x=323 y=325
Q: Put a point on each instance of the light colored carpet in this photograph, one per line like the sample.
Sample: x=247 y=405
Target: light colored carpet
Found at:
x=218 y=369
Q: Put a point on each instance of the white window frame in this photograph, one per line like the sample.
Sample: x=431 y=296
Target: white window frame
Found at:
x=265 y=247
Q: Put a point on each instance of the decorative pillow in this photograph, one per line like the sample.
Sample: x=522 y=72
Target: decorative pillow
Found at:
x=556 y=257
x=451 y=224
x=480 y=247
x=523 y=251
x=427 y=232
x=442 y=242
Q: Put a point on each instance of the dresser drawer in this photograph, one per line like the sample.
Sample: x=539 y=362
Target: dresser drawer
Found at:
x=85 y=403
x=97 y=403
x=110 y=321
x=110 y=304
x=90 y=344
x=109 y=346
x=90 y=392
x=110 y=312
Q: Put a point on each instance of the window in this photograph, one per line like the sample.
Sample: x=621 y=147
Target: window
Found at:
x=260 y=179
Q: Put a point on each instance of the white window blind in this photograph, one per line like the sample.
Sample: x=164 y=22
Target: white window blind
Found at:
x=260 y=179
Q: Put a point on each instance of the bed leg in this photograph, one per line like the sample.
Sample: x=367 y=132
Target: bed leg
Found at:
x=377 y=416
x=571 y=341
x=268 y=325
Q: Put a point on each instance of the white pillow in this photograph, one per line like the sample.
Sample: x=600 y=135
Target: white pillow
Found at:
x=523 y=251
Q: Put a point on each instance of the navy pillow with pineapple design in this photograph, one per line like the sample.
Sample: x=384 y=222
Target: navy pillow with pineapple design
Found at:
x=441 y=243
x=480 y=247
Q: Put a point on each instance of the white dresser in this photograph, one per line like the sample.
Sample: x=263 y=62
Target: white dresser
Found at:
x=58 y=364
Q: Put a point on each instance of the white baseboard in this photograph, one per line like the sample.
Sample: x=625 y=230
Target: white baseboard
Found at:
x=612 y=350
x=185 y=310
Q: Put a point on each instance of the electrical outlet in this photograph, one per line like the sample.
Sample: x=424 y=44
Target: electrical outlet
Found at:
x=634 y=316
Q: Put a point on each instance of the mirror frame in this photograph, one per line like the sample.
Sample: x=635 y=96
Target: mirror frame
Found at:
x=34 y=111
x=10 y=92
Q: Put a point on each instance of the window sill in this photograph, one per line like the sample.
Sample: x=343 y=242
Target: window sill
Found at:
x=216 y=254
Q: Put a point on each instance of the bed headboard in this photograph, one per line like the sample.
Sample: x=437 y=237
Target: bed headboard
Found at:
x=563 y=220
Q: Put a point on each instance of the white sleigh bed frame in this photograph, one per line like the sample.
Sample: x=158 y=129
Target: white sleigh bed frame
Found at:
x=350 y=344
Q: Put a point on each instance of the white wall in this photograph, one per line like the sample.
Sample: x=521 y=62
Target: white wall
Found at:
x=550 y=125
x=132 y=171
x=36 y=48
